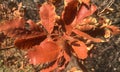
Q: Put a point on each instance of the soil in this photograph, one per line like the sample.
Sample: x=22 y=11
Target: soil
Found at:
x=104 y=57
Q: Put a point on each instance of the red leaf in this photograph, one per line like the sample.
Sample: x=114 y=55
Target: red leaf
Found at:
x=47 y=51
x=26 y=37
x=81 y=50
x=8 y=27
x=16 y=28
x=27 y=42
x=84 y=12
x=47 y=15
x=56 y=64
x=84 y=35
x=70 y=11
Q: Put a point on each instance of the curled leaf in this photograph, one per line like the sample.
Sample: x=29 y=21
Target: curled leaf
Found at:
x=70 y=11
x=84 y=12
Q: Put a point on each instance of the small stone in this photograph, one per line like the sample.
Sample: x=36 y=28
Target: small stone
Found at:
x=119 y=59
x=114 y=69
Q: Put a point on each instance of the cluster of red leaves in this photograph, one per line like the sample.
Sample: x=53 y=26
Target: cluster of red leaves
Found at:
x=58 y=37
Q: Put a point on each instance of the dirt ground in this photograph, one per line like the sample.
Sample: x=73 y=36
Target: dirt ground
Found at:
x=105 y=56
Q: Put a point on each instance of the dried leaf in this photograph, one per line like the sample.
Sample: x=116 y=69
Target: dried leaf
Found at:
x=29 y=41
x=84 y=12
x=47 y=15
x=17 y=28
x=80 y=49
x=8 y=28
x=47 y=51
x=26 y=37
x=96 y=32
x=70 y=11
x=17 y=12
x=84 y=35
x=107 y=33
x=114 y=30
x=56 y=64
x=86 y=27
x=67 y=59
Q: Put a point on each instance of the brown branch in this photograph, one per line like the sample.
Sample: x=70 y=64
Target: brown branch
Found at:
x=6 y=48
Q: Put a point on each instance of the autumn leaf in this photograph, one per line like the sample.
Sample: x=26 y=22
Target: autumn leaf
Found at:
x=29 y=41
x=85 y=35
x=48 y=16
x=47 y=51
x=31 y=36
x=80 y=49
x=9 y=27
x=25 y=37
x=88 y=24
x=84 y=12
x=70 y=11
